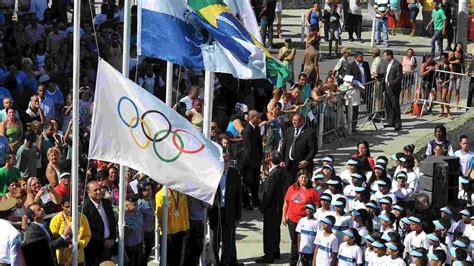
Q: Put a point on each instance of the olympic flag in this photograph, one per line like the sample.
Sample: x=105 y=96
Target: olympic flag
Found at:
x=132 y=127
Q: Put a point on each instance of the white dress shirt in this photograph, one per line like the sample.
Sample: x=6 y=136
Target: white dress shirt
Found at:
x=10 y=244
x=388 y=70
x=105 y=220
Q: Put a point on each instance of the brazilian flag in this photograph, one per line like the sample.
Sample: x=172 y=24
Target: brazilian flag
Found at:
x=229 y=31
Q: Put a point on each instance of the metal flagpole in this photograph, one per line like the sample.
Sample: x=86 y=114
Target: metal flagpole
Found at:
x=122 y=184
x=208 y=99
x=164 y=220
x=75 y=129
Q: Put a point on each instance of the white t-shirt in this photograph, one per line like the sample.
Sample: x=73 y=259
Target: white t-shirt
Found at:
x=394 y=262
x=346 y=177
x=307 y=229
x=413 y=241
x=444 y=248
x=354 y=8
x=378 y=261
x=413 y=181
x=464 y=159
x=327 y=245
x=349 y=255
x=369 y=256
x=469 y=232
x=378 y=196
x=342 y=223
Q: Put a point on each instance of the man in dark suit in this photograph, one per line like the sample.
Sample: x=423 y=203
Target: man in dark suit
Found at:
x=252 y=158
x=298 y=147
x=393 y=86
x=102 y=222
x=274 y=190
x=225 y=214
x=38 y=231
x=360 y=70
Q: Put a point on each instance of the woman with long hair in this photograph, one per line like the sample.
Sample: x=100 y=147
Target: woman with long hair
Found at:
x=12 y=129
x=35 y=193
x=363 y=152
x=456 y=59
x=409 y=65
x=52 y=169
x=298 y=195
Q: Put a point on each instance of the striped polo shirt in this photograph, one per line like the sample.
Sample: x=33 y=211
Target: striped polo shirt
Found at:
x=381 y=6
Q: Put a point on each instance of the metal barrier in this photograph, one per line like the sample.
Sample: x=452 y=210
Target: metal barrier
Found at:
x=430 y=93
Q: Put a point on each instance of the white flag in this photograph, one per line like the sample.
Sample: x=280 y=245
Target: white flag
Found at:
x=132 y=127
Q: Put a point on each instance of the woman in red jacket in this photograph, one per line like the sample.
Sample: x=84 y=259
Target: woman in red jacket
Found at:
x=297 y=196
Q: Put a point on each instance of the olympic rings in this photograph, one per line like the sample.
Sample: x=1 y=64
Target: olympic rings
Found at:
x=120 y=113
x=168 y=131
x=155 y=138
x=175 y=134
x=161 y=157
x=148 y=142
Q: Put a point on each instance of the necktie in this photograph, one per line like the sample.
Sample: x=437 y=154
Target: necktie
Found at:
x=293 y=143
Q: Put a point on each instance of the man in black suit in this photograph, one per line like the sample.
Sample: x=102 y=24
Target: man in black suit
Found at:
x=252 y=158
x=102 y=222
x=38 y=231
x=298 y=147
x=360 y=70
x=274 y=190
x=393 y=86
x=225 y=214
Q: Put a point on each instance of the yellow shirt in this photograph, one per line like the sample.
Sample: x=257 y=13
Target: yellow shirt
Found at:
x=57 y=227
x=177 y=222
x=427 y=5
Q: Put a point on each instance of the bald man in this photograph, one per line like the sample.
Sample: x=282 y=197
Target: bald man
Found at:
x=102 y=223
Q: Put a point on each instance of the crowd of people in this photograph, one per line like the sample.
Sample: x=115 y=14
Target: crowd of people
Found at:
x=366 y=207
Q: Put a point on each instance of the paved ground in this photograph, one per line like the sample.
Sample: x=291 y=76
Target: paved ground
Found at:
x=292 y=28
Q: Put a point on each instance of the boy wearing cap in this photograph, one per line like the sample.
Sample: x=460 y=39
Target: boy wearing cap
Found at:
x=399 y=186
x=387 y=223
x=437 y=258
x=417 y=238
x=343 y=220
x=352 y=165
x=465 y=193
x=394 y=254
x=436 y=244
x=469 y=232
x=307 y=229
x=384 y=186
x=325 y=209
x=464 y=221
x=447 y=214
x=378 y=258
x=326 y=244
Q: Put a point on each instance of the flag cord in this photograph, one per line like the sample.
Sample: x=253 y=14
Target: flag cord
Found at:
x=75 y=247
x=93 y=26
x=179 y=82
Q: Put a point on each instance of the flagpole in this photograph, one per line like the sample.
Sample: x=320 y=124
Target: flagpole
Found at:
x=164 y=215
x=122 y=184
x=75 y=130
x=208 y=99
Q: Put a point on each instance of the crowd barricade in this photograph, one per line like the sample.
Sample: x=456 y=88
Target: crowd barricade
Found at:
x=331 y=119
x=431 y=92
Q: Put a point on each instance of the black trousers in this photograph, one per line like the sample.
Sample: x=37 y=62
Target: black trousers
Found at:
x=224 y=232
x=355 y=115
x=149 y=242
x=354 y=25
x=306 y=259
x=449 y=34
x=134 y=254
x=294 y=255
x=470 y=92
x=271 y=233
x=195 y=243
x=175 y=249
x=292 y=168
x=251 y=176
x=392 y=104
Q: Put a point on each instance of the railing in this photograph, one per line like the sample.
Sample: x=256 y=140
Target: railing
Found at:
x=333 y=117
